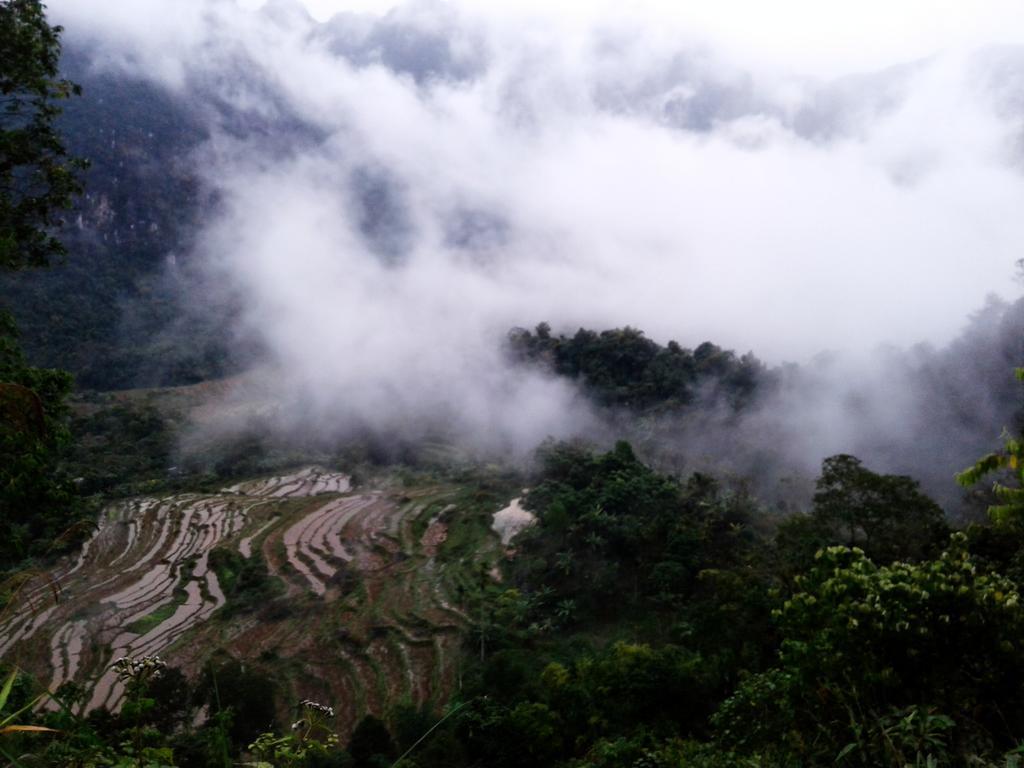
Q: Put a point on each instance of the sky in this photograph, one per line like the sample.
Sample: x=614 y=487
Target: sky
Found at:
x=788 y=178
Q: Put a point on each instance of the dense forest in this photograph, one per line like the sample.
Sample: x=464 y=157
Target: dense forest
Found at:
x=687 y=591
x=624 y=368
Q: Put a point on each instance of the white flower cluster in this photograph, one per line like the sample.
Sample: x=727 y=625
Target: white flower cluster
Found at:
x=144 y=666
x=321 y=708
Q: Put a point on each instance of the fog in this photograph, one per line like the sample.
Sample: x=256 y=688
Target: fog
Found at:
x=397 y=190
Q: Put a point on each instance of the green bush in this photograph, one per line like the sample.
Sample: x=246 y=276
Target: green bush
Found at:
x=865 y=645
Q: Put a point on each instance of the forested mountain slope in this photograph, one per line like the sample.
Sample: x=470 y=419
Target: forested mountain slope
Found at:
x=116 y=312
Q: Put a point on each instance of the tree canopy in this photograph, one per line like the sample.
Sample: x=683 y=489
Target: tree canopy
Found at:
x=886 y=515
x=622 y=367
x=37 y=177
x=37 y=181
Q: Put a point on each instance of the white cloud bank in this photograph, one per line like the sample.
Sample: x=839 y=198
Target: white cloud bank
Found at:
x=799 y=180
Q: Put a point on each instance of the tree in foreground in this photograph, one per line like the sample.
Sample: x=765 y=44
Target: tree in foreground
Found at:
x=38 y=180
x=904 y=664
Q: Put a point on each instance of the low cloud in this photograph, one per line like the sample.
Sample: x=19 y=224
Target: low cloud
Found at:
x=397 y=191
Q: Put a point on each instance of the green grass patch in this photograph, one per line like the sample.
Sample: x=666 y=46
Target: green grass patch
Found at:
x=159 y=616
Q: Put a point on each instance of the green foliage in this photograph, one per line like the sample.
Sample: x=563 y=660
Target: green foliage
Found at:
x=38 y=502
x=626 y=699
x=245 y=581
x=886 y=515
x=299 y=751
x=37 y=178
x=622 y=367
x=152 y=620
x=37 y=181
x=1009 y=461
x=608 y=525
x=8 y=724
x=862 y=642
x=117 y=450
x=998 y=548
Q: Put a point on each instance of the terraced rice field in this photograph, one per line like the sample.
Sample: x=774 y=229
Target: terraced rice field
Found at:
x=366 y=613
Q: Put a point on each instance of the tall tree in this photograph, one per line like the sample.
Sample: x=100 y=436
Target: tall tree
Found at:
x=886 y=515
x=37 y=181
